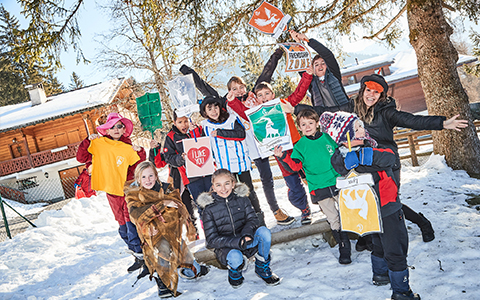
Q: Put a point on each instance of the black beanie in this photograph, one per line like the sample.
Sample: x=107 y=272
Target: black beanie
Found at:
x=376 y=78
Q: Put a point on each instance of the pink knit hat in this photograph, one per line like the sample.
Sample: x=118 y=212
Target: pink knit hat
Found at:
x=112 y=119
x=339 y=123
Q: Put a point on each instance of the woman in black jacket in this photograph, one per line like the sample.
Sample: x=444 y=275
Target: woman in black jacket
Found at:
x=380 y=115
x=231 y=228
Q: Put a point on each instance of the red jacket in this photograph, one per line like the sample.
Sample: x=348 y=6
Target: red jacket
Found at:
x=84 y=181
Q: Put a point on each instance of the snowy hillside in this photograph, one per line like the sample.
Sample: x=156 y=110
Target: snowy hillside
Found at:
x=76 y=253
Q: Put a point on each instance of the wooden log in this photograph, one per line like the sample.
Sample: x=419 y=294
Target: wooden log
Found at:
x=320 y=226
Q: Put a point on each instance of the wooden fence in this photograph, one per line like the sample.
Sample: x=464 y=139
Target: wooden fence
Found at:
x=413 y=139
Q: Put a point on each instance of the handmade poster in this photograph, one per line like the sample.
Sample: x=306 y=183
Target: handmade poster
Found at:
x=270 y=127
x=251 y=100
x=183 y=94
x=199 y=159
x=269 y=19
x=298 y=57
x=149 y=110
x=358 y=204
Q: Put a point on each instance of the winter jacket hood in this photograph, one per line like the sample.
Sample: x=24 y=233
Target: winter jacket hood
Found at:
x=241 y=190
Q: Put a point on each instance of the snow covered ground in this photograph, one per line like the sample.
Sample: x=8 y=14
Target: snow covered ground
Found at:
x=76 y=253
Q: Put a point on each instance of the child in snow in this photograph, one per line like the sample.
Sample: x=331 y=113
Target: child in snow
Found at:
x=312 y=153
x=175 y=158
x=264 y=92
x=389 y=254
x=158 y=160
x=157 y=211
x=230 y=226
x=114 y=160
x=84 y=181
x=238 y=88
x=227 y=137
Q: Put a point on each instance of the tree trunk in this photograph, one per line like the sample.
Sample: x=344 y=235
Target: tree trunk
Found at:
x=444 y=94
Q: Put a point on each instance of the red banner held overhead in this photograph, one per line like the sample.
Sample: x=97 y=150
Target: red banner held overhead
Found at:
x=269 y=19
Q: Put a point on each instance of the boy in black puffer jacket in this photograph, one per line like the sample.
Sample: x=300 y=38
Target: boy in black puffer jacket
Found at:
x=231 y=228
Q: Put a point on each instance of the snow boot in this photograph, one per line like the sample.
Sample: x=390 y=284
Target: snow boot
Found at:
x=163 y=291
x=428 y=234
x=261 y=218
x=189 y=274
x=344 y=246
x=400 y=286
x=282 y=218
x=306 y=216
x=262 y=269
x=380 y=271
x=364 y=243
x=235 y=277
x=139 y=262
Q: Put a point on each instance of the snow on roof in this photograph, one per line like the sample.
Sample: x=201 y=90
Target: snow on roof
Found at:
x=24 y=114
x=404 y=67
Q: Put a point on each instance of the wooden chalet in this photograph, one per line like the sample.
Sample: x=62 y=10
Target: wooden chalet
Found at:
x=400 y=71
x=39 y=138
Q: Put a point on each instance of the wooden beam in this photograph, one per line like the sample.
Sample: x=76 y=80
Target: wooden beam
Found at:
x=287 y=235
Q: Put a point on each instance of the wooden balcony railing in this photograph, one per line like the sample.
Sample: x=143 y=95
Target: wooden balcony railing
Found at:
x=38 y=159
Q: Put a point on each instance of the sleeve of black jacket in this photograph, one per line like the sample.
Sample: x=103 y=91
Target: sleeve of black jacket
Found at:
x=408 y=120
x=214 y=240
x=269 y=68
x=171 y=156
x=200 y=84
x=237 y=133
x=251 y=221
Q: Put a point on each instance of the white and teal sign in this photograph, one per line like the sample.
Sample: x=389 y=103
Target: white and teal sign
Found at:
x=270 y=127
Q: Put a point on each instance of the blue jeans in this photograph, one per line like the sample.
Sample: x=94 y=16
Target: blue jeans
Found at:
x=296 y=191
x=262 y=239
x=128 y=232
x=199 y=186
x=263 y=167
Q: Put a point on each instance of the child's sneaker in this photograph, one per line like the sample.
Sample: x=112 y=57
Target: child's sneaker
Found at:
x=262 y=269
x=306 y=216
x=283 y=218
x=408 y=295
x=139 y=262
x=235 y=277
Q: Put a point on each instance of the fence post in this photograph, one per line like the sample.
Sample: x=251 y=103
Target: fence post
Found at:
x=5 y=218
x=413 y=154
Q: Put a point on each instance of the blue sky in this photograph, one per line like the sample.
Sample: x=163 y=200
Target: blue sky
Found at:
x=93 y=21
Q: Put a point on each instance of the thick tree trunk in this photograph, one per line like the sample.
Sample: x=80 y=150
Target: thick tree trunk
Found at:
x=444 y=94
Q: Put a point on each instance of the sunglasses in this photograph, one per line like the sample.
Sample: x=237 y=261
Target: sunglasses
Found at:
x=119 y=126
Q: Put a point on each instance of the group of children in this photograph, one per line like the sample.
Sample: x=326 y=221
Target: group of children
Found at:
x=229 y=209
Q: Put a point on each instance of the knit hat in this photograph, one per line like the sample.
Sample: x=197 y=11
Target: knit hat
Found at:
x=375 y=82
x=112 y=119
x=209 y=100
x=339 y=123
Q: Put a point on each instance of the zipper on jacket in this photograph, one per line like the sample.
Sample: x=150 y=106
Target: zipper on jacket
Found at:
x=231 y=217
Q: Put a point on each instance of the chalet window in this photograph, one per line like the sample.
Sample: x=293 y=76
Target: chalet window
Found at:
x=351 y=80
x=27 y=183
x=379 y=71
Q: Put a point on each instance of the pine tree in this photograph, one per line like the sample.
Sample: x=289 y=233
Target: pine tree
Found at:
x=76 y=82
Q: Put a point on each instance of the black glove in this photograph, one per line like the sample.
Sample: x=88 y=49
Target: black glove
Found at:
x=244 y=243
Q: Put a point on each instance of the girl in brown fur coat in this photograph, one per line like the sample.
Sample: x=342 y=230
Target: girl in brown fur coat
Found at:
x=160 y=216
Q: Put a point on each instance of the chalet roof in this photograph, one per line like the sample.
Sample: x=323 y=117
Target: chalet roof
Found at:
x=404 y=67
x=23 y=114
